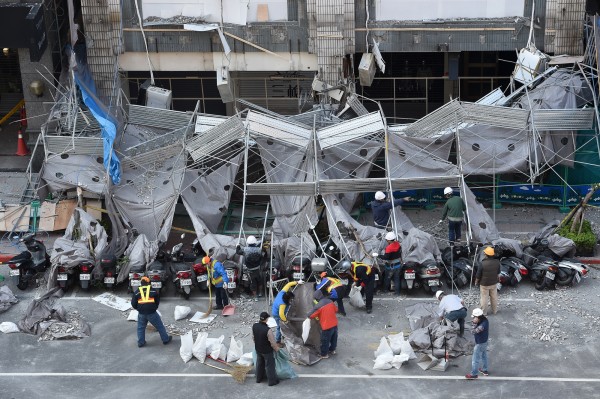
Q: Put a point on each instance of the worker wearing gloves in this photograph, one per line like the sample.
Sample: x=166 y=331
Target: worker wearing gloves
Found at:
x=218 y=277
x=452 y=308
x=280 y=306
x=333 y=288
x=455 y=209
x=253 y=255
x=324 y=311
x=392 y=255
x=364 y=277
x=381 y=208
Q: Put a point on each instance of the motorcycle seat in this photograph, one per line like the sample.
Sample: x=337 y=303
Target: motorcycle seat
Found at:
x=180 y=267
x=156 y=266
x=22 y=257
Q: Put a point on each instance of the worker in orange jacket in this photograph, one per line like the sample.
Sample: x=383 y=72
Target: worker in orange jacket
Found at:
x=325 y=311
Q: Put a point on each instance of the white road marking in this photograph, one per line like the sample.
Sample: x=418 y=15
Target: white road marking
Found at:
x=346 y=376
x=203 y=298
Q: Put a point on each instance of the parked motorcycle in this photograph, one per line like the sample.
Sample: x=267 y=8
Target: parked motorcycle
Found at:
x=157 y=273
x=85 y=274
x=136 y=272
x=459 y=269
x=299 y=269
x=181 y=271
x=233 y=274
x=201 y=274
x=109 y=266
x=570 y=272
x=543 y=273
x=65 y=277
x=428 y=275
x=512 y=271
x=25 y=266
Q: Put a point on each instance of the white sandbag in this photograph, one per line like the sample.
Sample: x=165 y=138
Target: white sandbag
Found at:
x=213 y=344
x=305 y=329
x=8 y=327
x=187 y=343
x=406 y=349
x=199 y=348
x=222 y=353
x=398 y=360
x=356 y=298
x=395 y=341
x=383 y=362
x=236 y=350
x=133 y=315
x=246 y=360
x=181 y=312
x=384 y=348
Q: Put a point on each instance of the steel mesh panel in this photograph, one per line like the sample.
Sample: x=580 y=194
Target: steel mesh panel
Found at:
x=441 y=119
x=147 y=158
x=163 y=118
x=350 y=130
x=356 y=105
x=160 y=141
x=512 y=118
x=213 y=139
x=301 y=188
x=563 y=119
x=206 y=122
x=334 y=186
x=278 y=129
x=416 y=183
x=74 y=145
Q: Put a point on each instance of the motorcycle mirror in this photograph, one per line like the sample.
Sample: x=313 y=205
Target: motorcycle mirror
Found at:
x=183 y=236
x=375 y=254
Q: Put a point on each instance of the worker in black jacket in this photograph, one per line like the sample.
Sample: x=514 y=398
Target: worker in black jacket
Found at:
x=265 y=345
x=146 y=300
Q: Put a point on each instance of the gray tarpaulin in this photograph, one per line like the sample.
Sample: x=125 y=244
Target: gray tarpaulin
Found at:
x=141 y=252
x=349 y=160
x=419 y=246
x=485 y=150
x=209 y=194
x=515 y=245
x=482 y=226
x=305 y=354
x=287 y=248
x=409 y=160
x=7 y=299
x=438 y=146
x=84 y=240
x=85 y=170
x=283 y=164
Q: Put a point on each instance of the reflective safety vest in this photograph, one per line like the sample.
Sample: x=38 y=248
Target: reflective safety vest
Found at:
x=211 y=269
x=145 y=295
x=359 y=264
x=334 y=283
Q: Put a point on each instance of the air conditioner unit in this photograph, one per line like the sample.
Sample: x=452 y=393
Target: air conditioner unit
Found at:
x=157 y=97
x=224 y=85
x=366 y=69
x=530 y=64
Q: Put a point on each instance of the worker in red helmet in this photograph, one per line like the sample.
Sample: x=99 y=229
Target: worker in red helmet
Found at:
x=218 y=277
x=146 y=300
x=392 y=255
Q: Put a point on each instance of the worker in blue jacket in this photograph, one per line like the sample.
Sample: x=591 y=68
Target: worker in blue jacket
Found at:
x=381 y=208
x=280 y=306
x=218 y=278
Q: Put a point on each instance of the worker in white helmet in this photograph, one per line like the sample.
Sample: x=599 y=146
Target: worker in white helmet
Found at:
x=381 y=208
x=253 y=254
x=455 y=210
x=393 y=262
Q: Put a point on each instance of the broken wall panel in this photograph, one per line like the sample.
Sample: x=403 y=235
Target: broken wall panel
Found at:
x=350 y=130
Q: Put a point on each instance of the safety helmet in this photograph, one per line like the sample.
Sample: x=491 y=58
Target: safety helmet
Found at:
x=439 y=294
x=145 y=280
x=345 y=265
x=489 y=251
x=323 y=275
x=251 y=240
x=379 y=195
x=448 y=190
x=390 y=236
x=477 y=312
x=206 y=260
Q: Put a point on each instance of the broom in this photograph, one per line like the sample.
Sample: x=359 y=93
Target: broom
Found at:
x=237 y=371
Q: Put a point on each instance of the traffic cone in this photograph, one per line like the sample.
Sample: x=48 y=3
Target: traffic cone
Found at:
x=23 y=116
x=22 y=149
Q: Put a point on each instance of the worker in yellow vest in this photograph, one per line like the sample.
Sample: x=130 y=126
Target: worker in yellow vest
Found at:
x=146 y=300
x=364 y=277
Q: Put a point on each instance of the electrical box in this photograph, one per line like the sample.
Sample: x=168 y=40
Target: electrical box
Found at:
x=157 y=97
x=530 y=63
x=366 y=69
x=224 y=85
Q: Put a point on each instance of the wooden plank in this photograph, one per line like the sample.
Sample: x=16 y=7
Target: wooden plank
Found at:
x=12 y=217
x=47 y=216
x=92 y=207
x=64 y=211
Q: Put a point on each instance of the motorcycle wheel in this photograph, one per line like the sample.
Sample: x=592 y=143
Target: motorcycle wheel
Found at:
x=540 y=284
x=567 y=281
x=186 y=295
x=22 y=284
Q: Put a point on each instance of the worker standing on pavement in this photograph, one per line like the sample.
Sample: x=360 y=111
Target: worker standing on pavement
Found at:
x=455 y=209
x=364 y=277
x=253 y=255
x=280 y=306
x=487 y=278
x=334 y=289
x=218 y=277
x=481 y=329
x=265 y=345
x=381 y=209
x=392 y=255
x=146 y=300
x=452 y=308
x=324 y=311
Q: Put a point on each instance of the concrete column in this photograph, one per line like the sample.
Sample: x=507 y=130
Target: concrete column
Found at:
x=36 y=107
